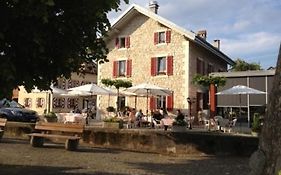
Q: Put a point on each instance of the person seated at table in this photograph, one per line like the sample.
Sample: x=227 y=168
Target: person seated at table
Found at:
x=180 y=115
x=76 y=109
x=166 y=122
x=139 y=116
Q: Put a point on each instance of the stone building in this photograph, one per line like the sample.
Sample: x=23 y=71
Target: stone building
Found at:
x=146 y=48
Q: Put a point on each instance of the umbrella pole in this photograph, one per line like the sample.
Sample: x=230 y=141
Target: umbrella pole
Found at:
x=240 y=105
x=146 y=102
x=135 y=102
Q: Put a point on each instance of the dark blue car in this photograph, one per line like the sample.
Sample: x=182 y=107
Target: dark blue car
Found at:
x=14 y=111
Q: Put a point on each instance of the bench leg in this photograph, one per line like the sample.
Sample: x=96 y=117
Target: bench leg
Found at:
x=71 y=145
x=1 y=134
x=37 y=141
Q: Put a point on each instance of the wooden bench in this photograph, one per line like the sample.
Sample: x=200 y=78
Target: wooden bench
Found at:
x=3 y=122
x=71 y=133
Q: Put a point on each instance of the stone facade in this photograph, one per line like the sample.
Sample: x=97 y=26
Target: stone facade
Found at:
x=185 y=52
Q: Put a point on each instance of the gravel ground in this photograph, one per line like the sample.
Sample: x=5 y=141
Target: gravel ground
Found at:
x=18 y=157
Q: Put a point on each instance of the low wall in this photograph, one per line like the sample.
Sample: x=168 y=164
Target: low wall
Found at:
x=158 y=141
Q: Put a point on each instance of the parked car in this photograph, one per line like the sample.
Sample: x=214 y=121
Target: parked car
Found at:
x=14 y=111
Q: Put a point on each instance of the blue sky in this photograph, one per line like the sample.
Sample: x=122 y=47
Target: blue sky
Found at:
x=248 y=29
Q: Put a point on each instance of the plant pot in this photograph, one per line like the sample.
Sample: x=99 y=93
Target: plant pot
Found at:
x=177 y=128
x=51 y=119
x=255 y=133
x=115 y=125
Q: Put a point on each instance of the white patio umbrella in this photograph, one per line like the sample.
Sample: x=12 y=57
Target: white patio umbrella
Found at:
x=240 y=90
x=90 y=89
x=147 y=90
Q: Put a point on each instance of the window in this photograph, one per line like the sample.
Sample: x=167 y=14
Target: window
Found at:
x=165 y=102
x=210 y=68
x=40 y=102
x=122 y=68
x=162 y=65
x=122 y=42
x=200 y=67
x=161 y=102
x=162 y=37
x=72 y=103
x=27 y=102
x=58 y=102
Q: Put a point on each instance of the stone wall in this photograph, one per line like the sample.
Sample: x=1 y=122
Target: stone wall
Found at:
x=157 y=141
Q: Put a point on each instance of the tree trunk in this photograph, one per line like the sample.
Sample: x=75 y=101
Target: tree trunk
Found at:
x=267 y=160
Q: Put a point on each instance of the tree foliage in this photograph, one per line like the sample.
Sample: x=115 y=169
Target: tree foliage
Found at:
x=116 y=83
x=241 y=65
x=205 y=81
x=41 y=40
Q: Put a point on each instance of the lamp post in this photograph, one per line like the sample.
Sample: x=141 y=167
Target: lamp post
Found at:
x=189 y=106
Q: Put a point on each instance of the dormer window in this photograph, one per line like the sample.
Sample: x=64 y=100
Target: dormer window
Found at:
x=162 y=37
x=122 y=42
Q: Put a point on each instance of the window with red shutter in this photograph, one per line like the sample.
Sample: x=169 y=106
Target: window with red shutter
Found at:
x=170 y=102
x=168 y=36
x=170 y=65
x=153 y=66
x=129 y=68
x=156 y=38
x=127 y=43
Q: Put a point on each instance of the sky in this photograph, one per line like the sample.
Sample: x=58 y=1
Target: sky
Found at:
x=247 y=29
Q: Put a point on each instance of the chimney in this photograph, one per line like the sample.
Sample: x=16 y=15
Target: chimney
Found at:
x=202 y=34
x=153 y=6
x=216 y=44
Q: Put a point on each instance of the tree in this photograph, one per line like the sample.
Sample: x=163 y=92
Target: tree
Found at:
x=241 y=65
x=210 y=82
x=204 y=80
x=267 y=159
x=43 y=40
x=117 y=84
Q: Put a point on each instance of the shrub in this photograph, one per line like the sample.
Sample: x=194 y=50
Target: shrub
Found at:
x=110 y=109
x=50 y=115
x=256 y=125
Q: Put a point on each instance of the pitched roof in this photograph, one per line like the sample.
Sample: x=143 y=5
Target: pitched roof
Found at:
x=135 y=9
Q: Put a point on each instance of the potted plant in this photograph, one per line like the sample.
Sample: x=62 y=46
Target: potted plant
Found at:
x=110 y=109
x=256 y=125
x=113 y=122
x=179 y=125
x=51 y=117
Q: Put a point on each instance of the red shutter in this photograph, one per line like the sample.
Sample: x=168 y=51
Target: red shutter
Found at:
x=117 y=43
x=170 y=65
x=153 y=66
x=168 y=36
x=115 y=68
x=152 y=103
x=170 y=102
x=127 y=42
x=129 y=68
x=156 y=38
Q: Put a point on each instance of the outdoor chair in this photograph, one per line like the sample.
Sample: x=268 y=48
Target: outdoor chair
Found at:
x=223 y=123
